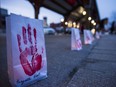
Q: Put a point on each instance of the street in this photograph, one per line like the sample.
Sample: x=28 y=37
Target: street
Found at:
x=93 y=66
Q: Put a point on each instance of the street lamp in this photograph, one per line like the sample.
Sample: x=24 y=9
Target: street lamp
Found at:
x=92 y=21
x=93 y=31
x=78 y=25
x=66 y=23
x=62 y=20
x=74 y=24
x=89 y=18
x=84 y=12
x=70 y=24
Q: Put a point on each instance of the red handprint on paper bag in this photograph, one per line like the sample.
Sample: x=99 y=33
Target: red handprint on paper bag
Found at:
x=88 y=38
x=29 y=67
x=79 y=44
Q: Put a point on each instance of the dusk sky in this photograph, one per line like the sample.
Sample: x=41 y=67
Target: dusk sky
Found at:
x=26 y=9
x=106 y=9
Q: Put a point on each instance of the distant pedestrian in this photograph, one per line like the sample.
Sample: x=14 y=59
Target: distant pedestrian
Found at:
x=113 y=27
x=101 y=26
x=98 y=27
x=104 y=26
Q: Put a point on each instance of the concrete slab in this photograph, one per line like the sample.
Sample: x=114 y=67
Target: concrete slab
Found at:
x=102 y=51
x=105 y=57
x=90 y=78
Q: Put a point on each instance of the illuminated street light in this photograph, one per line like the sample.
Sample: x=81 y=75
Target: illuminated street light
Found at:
x=93 y=31
x=84 y=12
x=66 y=23
x=89 y=18
x=70 y=24
x=92 y=21
x=74 y=24
x=78 y=25
x=81 y=9
x=62 y=20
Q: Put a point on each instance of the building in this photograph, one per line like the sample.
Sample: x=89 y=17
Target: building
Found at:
x=3 y=14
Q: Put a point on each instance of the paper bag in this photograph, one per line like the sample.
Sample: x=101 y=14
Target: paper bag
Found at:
x=88 y=37
x=92 y=36
x=26 y=53
x=75 y=39
x=97 y=35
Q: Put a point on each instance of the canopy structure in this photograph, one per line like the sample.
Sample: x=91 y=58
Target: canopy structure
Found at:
x=74 y=10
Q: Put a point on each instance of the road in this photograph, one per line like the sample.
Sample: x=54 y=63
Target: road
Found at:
x=92 y=66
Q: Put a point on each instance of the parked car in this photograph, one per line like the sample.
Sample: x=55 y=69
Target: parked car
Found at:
x=68 y=30
x=59 y=29
x=49 y=31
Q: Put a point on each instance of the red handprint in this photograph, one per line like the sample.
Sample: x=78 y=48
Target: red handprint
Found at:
x=88 y=38
x=79 y=45
x=29 y=67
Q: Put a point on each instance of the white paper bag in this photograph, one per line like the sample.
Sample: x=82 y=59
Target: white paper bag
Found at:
x=26 y=53
x=97 y=35
x=75 y=39
x=92 y=36
x=88 y=37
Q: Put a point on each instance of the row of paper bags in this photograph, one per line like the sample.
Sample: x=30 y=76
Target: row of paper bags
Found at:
x=26 y=53
x=76 y=43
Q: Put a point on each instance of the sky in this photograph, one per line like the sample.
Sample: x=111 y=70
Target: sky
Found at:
x=52 y=17
x=106 y=9
x=26 y=9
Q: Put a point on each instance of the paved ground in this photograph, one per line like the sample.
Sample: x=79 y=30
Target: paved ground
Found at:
x=100 y=66
x=93 y=66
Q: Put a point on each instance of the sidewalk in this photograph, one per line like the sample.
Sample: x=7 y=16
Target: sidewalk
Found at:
x=100 y=66
x=93 y=66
